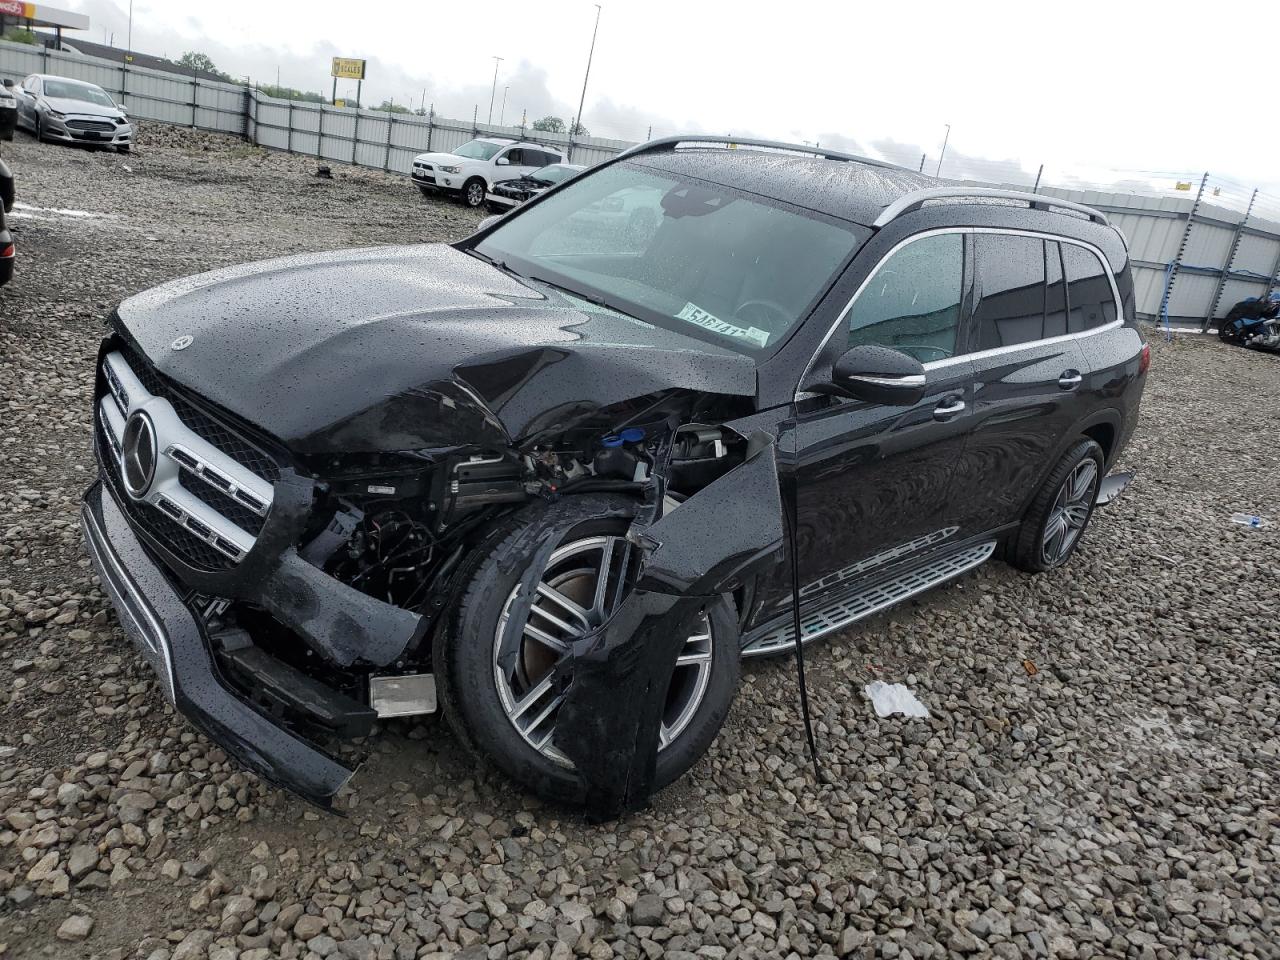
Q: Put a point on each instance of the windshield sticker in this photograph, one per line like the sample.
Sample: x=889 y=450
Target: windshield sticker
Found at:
x=695 y=314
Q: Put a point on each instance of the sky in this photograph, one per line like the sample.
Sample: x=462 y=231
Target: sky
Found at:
x=1097 y=92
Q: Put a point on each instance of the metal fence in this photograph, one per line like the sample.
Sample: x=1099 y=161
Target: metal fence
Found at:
x=369 y=138
x=1195 y=251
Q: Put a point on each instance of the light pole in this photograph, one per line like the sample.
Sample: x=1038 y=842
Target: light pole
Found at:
x=129 y=42
x=502 y=112
x=493 y=92
x=591 y=53
x=938 y=172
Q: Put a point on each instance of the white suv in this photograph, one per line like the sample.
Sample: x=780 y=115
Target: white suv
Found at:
x=471 y=170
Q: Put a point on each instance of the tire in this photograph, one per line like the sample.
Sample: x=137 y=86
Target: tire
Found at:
x=425 y=191
x=38 y=132
x=1035 y=550
x=468 y=679
x=123 y=148
x=473 y=192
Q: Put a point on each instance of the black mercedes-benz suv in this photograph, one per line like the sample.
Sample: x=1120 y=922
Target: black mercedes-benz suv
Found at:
x=556 y=478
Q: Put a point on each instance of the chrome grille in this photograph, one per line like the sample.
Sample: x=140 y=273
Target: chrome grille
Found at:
x=102 y=126
x=205 y=503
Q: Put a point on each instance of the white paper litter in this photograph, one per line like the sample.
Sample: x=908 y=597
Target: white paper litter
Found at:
x=891 y=698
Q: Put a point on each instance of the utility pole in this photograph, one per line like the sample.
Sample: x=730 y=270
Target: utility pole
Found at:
x=938 y=172
x=590 y=53
x=493 y=92
x=503 y=112
x=129 y=41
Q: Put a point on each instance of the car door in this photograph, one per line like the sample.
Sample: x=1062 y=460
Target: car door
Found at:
x=27 y=100
x=515 y=166
x=873 y=481
x=1028 y=369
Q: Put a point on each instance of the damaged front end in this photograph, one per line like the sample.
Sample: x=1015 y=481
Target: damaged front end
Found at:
x=289 y=597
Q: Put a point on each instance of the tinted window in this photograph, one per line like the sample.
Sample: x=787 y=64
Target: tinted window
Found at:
x=547 y=158
x=515 y=157
x=1088 y=289
x=700 y=258
x=1055 y=302
x=1011 y=290
x=912 y=302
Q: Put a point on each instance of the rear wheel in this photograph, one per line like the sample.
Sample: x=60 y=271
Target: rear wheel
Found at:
x=1061 y=510
x=504 y=703
x=473 y=192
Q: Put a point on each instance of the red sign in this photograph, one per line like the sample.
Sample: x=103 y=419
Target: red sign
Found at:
x=15 y=8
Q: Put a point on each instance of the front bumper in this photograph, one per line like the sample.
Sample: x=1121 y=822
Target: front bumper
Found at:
x=171 y=638
x=66 y=131
x=435 y=180
x=500 y=200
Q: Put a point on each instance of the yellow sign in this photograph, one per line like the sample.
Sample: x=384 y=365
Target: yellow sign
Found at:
x=339 y=103
x=1182 y=185
x=348 y=69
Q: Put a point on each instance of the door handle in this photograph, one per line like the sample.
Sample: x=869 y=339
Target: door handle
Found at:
x=1070 y=379
x=948 y=408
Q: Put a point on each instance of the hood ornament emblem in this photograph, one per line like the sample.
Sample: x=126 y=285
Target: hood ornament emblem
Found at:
x=182 y=342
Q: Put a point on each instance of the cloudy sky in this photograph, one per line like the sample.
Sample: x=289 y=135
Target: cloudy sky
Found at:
x=1092 y=90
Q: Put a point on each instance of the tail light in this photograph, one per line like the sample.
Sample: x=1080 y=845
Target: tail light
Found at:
x=1144 y=363
x=7 y=252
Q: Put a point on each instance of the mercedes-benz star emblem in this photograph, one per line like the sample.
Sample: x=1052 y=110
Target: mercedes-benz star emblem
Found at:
x=182 y=342
x=139 y=454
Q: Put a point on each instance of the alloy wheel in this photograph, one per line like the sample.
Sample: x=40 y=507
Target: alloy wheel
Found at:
x=475 y=194
x=571 y=598
x=1070 y=511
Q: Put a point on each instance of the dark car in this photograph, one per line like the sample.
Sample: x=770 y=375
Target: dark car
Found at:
x=506 y=194
x=8 y=110
x=8 y=253
x=542 y=479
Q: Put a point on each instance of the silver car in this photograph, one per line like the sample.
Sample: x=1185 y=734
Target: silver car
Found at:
x=59 y=108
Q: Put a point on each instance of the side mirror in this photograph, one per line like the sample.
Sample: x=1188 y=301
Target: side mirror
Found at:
x=8 y=83
x=503 y=161
x=879 y=375
x=122 y=109
x=488 y=222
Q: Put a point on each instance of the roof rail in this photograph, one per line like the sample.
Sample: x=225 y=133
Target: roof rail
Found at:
x=918 y=198
x=670 y=143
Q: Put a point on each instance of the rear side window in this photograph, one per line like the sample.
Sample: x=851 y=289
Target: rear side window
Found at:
x=912 y=302
x=1011 y=289
x=1092 y=303
x=548 y=158
x=515 y=157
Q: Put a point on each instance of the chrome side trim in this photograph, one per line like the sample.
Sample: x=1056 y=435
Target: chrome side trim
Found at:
x=981 y=354
x=910 y=380
x=1037 y=201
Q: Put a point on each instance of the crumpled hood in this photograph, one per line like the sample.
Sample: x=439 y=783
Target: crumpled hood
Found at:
x=412 y=347
x=83 y=108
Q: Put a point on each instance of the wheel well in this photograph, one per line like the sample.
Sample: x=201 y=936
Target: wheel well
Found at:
x=1104 y=434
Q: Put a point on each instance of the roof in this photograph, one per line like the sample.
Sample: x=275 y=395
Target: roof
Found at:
x=848 y=189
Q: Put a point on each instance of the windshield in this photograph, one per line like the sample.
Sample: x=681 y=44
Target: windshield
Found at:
x=687 y=255
x=69 y=90
x=553 y=173
x=478 y=150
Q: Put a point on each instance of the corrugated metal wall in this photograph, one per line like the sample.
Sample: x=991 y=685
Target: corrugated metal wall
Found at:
x=1220 y=256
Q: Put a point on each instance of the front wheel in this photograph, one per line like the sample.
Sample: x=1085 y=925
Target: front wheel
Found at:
x=473 y=192
x=503 y=700
x=122 y=148
x=1061 y=510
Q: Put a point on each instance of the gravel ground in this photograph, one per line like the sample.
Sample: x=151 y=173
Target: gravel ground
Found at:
x=1097 y=778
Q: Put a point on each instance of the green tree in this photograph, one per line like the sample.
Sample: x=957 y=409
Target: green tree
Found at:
x=580 y=131
x=19 y=35
x=289 y=93
x=389 y=107
x=549 y=125
x=194 y=60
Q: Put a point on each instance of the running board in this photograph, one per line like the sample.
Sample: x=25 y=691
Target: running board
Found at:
x=853 y=607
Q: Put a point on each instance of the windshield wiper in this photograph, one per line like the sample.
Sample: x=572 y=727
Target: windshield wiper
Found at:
x=595 y=298
x=493 y=262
